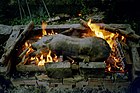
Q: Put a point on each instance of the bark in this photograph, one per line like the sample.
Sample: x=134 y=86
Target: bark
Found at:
x=88 y=49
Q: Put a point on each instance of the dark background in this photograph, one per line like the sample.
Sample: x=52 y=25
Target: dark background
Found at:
x=116 y=11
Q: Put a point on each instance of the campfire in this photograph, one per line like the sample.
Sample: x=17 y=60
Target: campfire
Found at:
x=76 y=51
x=35 y=52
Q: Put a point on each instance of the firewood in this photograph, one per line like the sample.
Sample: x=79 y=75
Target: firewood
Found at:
x=67 y=31
x=20 y=38
x=24 y=60
x=94 y=48
x=23 y=53
x=61 y=27
x=130 y=35
x=58 y=18
x=30 y=68
x=84 y=23
x=72 y=61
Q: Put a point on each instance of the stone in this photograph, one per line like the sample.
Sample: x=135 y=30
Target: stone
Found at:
x=5 y=32
x=58 y=70
x=92 y=69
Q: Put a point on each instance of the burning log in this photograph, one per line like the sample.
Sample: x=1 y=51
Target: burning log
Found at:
x=21 y=37
x=89 y=48
x=130 y=35
x=24 y=52
x=84 y=23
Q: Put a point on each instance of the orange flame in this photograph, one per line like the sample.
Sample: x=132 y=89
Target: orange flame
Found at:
x=109 y=37
x=49 y=58
x=44 y=25
x=42 y=61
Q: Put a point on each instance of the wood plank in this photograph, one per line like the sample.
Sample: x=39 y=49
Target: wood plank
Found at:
x=59 y=27
x=12 y=38
x=15 y=33
x=6 y=56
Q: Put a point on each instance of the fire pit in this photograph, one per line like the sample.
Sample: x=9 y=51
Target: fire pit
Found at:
x=85 y=50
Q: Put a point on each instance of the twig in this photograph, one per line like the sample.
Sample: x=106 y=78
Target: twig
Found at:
x=24 y=52
x=46 y=8
x=67 y=31
x=28 y=9
x=84 y=23
x=23 y=10
x=20 y=9
x=72 y=61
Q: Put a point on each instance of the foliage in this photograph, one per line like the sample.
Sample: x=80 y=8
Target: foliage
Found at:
x=3 y=9
x=118 y=11
x=26 y=20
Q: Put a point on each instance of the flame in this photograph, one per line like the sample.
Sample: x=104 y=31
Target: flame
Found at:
x=41 y=58
x=44 y=25
x=32 y=58
x=95 y=29
x=55 y=59
x=42 y=61
x=79 y=14
x=111 y=39
x=49 y=58
x=27 y=44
